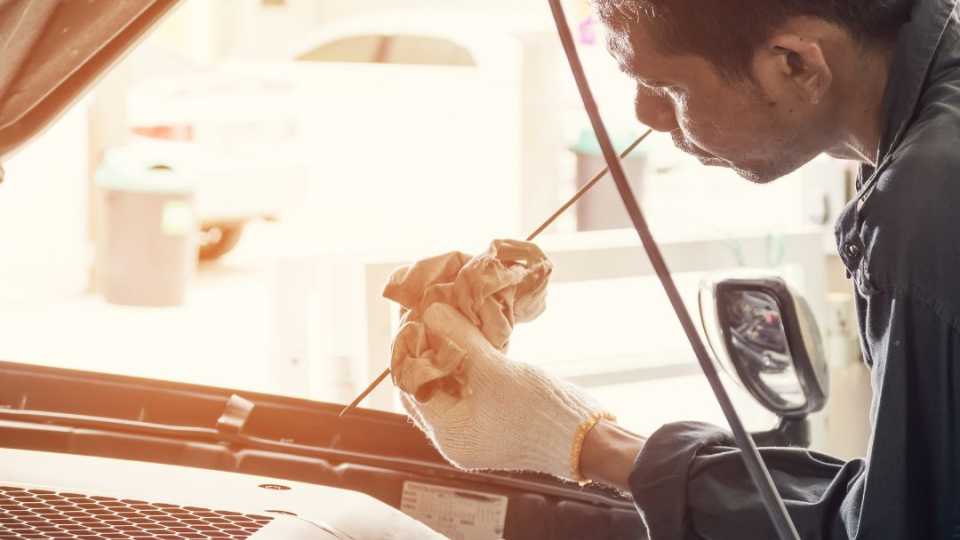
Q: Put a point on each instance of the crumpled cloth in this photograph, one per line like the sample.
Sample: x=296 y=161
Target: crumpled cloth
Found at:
x=504 y=285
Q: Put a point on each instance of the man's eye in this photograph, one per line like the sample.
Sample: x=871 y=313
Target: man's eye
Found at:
x=659 y=88
x=670 y=91
x=651 y=83
x=660 y=91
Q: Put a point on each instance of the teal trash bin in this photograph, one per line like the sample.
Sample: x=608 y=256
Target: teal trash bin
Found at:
x=601 y=207
x=146 y=230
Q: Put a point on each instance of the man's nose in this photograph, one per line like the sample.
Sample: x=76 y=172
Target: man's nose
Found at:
x=655 y=111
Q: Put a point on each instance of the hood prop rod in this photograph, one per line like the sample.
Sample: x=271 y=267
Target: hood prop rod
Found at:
x=751 y=456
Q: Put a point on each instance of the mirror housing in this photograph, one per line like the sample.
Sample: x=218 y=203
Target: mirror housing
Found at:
x=764 y=335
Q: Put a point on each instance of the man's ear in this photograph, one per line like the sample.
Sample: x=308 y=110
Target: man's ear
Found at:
x=799 y=61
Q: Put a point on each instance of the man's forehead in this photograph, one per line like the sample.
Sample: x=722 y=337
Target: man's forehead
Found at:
x=634 y=52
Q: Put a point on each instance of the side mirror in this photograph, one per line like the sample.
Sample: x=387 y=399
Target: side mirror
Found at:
x=765 y=336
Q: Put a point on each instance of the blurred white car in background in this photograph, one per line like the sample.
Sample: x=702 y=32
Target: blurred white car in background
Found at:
x=223 y=131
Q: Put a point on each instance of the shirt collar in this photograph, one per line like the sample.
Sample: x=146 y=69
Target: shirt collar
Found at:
x=913 y=58
x=915 y=49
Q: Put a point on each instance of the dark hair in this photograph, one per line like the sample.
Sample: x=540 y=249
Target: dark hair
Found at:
x=727 y=32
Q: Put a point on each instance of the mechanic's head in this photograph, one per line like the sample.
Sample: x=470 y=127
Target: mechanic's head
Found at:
x=761 y=86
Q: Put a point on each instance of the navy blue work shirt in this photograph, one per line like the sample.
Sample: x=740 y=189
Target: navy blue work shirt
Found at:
x=900 y=241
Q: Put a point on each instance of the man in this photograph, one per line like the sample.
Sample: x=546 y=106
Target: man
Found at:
x=763 y=86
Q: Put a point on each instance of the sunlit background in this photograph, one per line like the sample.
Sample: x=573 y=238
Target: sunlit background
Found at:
x=302 y=149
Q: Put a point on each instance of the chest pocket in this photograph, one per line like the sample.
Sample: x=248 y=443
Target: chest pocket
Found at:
x=849 y=241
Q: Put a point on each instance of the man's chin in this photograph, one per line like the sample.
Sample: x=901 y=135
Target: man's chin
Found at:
x=713 y=161
x=757 y=176
x=756 y=173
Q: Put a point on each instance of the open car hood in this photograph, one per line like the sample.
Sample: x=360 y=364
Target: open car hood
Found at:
x=54 y=50
x=90 y=432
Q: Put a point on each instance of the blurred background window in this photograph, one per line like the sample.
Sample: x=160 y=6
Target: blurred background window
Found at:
x=387 y=49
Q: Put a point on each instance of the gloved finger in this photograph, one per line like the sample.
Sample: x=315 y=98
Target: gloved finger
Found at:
x=410 y=405
x=428 y=415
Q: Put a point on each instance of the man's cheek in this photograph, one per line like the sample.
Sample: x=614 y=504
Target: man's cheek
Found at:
x=704 y=141
x=699 y=132
x=720 y=142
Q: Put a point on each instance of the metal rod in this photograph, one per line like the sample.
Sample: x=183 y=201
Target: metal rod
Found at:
x=366 y=392
x=776 y=509
x=586 y=187
x=553 y=217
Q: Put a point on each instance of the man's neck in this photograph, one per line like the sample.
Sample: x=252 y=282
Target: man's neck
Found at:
x=860 y=107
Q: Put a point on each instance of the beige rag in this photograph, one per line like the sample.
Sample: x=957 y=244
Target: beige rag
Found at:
x=495 y=290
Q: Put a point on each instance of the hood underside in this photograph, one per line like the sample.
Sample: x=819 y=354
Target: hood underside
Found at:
x=54 y=50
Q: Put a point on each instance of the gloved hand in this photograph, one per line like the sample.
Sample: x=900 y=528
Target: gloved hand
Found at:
x=509 y=415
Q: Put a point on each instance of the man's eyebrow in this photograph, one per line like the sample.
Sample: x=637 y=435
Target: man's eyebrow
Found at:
x=654 y=84
x=628 y=69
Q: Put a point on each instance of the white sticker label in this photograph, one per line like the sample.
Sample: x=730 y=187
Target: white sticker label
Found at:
x=459 y=514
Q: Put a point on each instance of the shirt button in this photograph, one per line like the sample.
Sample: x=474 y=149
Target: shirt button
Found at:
x=852 y=250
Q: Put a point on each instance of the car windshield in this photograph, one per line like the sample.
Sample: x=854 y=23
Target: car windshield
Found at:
x=225 y=206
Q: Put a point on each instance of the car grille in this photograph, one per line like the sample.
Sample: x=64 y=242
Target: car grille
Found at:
x=38 y=513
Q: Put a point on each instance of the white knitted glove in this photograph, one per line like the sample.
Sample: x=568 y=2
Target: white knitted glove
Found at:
x=510 y=416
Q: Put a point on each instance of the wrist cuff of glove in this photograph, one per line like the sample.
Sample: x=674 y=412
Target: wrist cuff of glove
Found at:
x=579 y=436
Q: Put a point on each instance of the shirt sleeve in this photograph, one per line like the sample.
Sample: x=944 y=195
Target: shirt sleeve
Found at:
x=689 y=481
